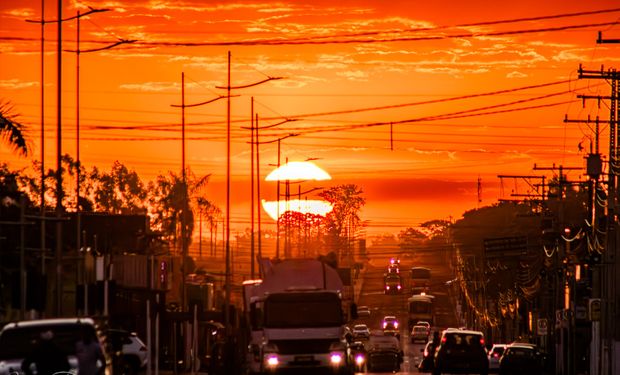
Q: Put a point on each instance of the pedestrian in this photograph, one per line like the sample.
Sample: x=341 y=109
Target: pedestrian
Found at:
x=46 y=358
x=91 y=360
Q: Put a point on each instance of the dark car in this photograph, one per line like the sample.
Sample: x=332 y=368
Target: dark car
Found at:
x=461 y=352
x=521 y=359
x=384 y=354
x=428 y=356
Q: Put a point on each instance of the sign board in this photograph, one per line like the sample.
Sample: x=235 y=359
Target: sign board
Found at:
x=542 y=327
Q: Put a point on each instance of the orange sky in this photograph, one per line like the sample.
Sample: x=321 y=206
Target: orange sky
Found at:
x=341 y=61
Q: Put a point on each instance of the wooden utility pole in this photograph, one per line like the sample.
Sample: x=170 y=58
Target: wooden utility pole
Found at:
x=608 y=281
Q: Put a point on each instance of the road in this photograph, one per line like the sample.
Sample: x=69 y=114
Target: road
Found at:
x=380 y=304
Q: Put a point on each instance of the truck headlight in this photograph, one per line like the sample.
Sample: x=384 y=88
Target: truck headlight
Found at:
x=272 y=360
x=335 y=359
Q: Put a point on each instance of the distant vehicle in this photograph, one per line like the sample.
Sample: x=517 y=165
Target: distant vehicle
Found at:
x=384 y=354
x=521 y=359
x=461 y=351
x=419 y=333
x=390 y=326
x=360 y=331
x=420 y=307
x=133 y=350
x=16 y=340
x=393 y=284
x=395 y=261
x=393 y=268
x=420 y=277
x=494 y=355
x=363 y=311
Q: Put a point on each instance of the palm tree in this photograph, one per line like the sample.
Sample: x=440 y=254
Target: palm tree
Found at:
x=11 y=130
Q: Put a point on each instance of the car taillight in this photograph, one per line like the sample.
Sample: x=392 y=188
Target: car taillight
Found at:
x=495 y=355
x=443 y=340
x=384 y=324
x=481 y=341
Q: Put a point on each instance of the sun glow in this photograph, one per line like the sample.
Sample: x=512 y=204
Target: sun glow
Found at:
x=303 y=206
x=298 y=170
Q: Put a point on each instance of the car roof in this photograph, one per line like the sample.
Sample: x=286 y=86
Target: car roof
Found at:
x=389 y=317
x=48 y=322
x=360 y=326
x=463 y=331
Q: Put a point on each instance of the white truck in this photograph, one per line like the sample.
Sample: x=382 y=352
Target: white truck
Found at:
x=297 y=318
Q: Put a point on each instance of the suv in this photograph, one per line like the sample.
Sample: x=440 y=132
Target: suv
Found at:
x=16 y=340
x=461 y=351
x=494 y=355
x=521 y=358
x=133 y=353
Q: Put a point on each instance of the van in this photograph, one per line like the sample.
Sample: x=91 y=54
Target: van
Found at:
x=18 y=339
x=461 y=351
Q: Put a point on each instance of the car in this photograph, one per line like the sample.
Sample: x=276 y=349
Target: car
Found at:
x=17 y=338
x=360 y=331
x=419 y=333
x=494 y=355
x=461 y=351
x=428 y=356
x=133 y=353
x=384 y=354
x=392 y=283
x=423 y=323
x=363 y=311
x=521 y=358
x=390 y=326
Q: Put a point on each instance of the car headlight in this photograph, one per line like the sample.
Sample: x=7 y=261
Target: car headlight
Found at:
x=359 y=359
x=336 y=358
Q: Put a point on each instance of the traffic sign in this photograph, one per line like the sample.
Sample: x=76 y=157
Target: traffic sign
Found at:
x=594 y=305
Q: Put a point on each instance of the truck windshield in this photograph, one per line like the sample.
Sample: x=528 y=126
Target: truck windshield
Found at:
x=420 y=307
x=302 y=310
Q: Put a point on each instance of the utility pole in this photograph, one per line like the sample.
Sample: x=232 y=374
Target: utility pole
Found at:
x=228 y=89
x=608 y=280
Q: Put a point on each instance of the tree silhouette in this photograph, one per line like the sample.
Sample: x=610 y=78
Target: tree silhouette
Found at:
x=11 y=130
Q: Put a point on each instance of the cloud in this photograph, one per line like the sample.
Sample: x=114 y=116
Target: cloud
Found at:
x=15 y=84
x=23 y=13
x=569 y=55
x=516 y=74
x=354 y=75
x=152 y=86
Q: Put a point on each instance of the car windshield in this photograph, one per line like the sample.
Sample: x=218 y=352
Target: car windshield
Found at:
x=456 y=340
x=520 y=352
x=18 y=342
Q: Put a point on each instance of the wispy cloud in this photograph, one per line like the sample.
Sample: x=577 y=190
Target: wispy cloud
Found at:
x=516 y=74
x=15 y=84
x=152 y=86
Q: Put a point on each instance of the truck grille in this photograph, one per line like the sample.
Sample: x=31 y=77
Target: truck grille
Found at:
x=303 y=346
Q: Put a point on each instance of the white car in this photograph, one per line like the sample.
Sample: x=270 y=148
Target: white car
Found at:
x=133 y=350
x=361 y=331
x=363 y=311
x=420 y=333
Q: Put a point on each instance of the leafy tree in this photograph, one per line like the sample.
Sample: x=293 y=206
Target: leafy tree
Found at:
x=11 y=130
x=120 y=191
x=410 y=239
x=343 y=222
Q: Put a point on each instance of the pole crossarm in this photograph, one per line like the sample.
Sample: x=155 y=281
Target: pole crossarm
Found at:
x=91 y=11
x=249 y=85
x=272 y=125
x=600 y=39
x=279 y=139
x=201 y=103
x=116 y=44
